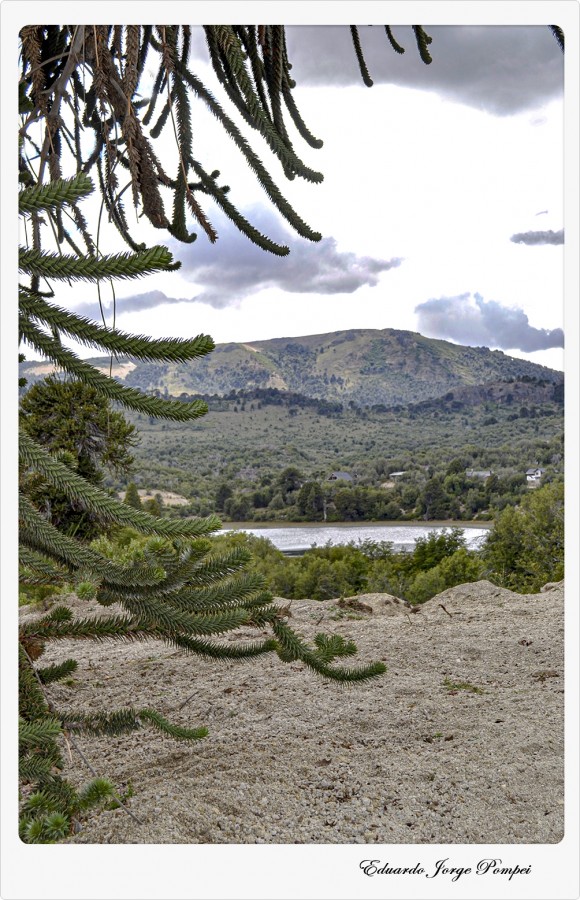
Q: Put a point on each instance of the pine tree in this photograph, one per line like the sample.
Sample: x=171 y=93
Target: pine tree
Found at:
x=73 y=419
x=132 y=496
x=100 y=70
x=183 y=593
x=154 y=505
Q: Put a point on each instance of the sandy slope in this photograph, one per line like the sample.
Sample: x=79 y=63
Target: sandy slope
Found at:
x=292 y=758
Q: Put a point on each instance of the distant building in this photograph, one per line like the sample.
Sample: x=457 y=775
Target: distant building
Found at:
x=534 y=475
x=340 y=476
x=477 y=473
x=397 y=474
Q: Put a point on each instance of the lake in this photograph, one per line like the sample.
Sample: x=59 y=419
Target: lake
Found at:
x=295 y=539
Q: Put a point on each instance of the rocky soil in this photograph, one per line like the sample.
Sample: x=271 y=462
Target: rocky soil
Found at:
x=460 y=742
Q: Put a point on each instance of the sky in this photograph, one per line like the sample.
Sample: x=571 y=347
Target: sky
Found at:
x=441 y=209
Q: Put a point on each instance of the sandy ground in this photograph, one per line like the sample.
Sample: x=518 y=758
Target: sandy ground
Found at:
x=169 y=497
x=460 y=742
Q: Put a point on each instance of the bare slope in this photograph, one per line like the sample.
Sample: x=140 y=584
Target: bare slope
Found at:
x=460 y=742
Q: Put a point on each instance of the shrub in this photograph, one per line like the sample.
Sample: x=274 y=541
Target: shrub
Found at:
x=426 y=585
x=525 y=547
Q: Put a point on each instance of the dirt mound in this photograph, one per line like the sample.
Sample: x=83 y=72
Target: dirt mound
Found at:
x=460 y=742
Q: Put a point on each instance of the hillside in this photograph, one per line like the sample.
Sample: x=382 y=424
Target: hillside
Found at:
x=247 y=440
x=365 y=366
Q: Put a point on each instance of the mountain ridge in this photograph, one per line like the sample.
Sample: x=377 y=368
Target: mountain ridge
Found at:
x=363 y=366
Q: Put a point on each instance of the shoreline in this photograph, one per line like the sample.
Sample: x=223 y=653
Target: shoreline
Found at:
x=393 y=523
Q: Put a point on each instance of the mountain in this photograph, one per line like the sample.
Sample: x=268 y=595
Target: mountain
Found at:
x=365 y=366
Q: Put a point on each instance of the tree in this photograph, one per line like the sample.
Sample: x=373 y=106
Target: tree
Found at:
x=179 y=592
x=98 y=71
x=434 y=502
x=132 y=497
x=73 y=419
x=288 y=481
x=392 y=511
x=223 y=493
x=154 y=505
x=74 y=416
x=492 y=484
x=525 y=548
x=238 y=507
x=457 y=466
x=310 y=499
x=435 y=547
x=100 y=68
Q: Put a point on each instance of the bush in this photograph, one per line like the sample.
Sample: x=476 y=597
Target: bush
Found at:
x=426 y=585
x=523 y=551
x=525 y=547
x=430 y=550
x=461 y=567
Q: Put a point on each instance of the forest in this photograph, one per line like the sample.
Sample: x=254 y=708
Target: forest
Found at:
x=270 y=455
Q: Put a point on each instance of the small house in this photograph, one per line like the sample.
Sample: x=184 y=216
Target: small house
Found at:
x=534 y=475
x=477 y=473
x=340 y=476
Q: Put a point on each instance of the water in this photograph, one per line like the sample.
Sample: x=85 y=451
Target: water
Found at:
x=295 y=539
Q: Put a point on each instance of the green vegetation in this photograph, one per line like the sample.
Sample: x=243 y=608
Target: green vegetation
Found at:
x=327 y=572
x=247 y=453
x=179 y=590
x=523 y=551
x=59 y=453
x=364 y=368
x=176 y=589
x=73 y=420
x=132 y=497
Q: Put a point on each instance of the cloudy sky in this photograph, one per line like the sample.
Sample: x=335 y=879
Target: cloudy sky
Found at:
x=441 y=208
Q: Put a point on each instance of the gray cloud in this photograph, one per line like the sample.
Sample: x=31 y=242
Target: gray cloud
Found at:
x=234 y=268
x=502 y=69
x=499 y=69
x=538 y=237
x=136 y=303
x=480 y=322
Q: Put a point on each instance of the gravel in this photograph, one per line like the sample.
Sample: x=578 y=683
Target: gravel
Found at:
x=460 y=742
